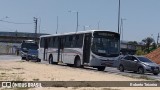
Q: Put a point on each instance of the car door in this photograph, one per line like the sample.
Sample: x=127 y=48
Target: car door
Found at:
x=133 y=63
x=125 y=62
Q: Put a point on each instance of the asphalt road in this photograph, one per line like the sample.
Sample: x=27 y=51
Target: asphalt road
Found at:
x=110 y=70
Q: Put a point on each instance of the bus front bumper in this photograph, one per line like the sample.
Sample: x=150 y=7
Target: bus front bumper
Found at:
x=101 y=62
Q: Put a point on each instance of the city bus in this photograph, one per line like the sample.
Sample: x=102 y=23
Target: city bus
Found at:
x=94 y=48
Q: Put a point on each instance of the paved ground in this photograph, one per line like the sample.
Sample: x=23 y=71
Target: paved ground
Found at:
x=9 y=57
x=107 y=70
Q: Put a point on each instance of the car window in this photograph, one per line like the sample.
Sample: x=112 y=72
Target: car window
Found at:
x=133 y=58
x=144 y=59
x=127 y=58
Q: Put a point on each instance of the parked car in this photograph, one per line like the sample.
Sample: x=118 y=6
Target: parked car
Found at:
x=32 y=55
x=138 y=64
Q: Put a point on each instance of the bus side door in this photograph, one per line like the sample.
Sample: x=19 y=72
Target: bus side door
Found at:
x=86 y=47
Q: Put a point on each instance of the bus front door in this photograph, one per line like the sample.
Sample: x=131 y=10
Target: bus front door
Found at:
x=86 y=48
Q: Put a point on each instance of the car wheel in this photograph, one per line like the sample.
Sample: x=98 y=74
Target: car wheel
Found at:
x=102 y=68
x=23 y=58
x=140 y=70
x=121 y=68
x=135 y=71
x=38 y=60
x=27 y=59
x=155 y=73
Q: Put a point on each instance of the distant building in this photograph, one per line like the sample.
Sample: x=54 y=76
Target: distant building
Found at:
x=127 y=48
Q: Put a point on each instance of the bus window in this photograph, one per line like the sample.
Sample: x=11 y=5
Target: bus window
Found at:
x=79 y=40
x=55 y=44
x=42 y=43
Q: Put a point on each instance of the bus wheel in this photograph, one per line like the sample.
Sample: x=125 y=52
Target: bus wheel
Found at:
x=101 y=68
x=50 y=59
x=27 y=59
x=77 y=62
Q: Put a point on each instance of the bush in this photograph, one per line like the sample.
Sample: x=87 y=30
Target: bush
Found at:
x=140 y=52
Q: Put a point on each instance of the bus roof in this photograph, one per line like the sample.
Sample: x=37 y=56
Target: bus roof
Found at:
x=79 y=32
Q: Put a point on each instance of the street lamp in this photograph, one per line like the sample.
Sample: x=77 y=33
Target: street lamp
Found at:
x=119 y=16
x=77 y=19
x=57 y=25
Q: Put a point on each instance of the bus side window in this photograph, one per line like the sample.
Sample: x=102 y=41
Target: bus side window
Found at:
x=42 y=43
x=74 y=40
x=71 y=41
x=46 y=43
x=55 y=44
x=67 y=42
x=51 y=41
x=79 y=41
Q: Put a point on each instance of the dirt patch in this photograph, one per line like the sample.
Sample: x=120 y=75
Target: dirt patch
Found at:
x=31 y=71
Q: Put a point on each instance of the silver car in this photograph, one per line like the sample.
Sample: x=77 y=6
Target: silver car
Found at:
x=138 y=64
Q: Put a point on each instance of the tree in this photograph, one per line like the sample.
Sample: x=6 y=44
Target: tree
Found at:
x=133 y=42
x=148 y=41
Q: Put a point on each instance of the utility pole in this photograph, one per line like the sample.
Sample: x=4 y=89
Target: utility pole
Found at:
x=158 y=39
x=35 y=21
x=16 y=37
x=77 y=22
x=57 y=25
x=119 y=15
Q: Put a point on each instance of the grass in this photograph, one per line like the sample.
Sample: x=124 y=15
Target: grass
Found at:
x=17 y=68
x=18 y=73
x=3 y=73
x=140 y=77
x=4 y=69
x=145 y=77
x=35 y=79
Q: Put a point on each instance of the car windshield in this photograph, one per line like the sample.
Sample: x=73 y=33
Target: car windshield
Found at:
x=33 y=51
x=28 y=46
x=144 y=59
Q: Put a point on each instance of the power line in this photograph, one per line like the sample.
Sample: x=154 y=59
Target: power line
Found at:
x=14 y=22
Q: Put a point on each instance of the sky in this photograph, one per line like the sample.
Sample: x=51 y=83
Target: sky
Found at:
x=141 y=17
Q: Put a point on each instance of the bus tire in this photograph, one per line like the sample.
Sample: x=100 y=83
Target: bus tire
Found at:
x=23 y=58
x=101 y=68
x=51 y=60
x=77 y=62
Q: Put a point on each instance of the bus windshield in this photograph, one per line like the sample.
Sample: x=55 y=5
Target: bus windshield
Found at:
x=107 y=46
